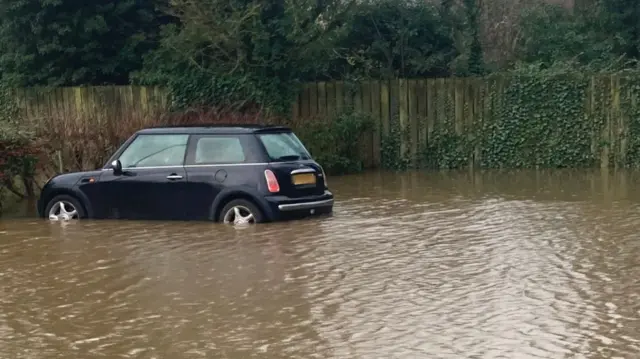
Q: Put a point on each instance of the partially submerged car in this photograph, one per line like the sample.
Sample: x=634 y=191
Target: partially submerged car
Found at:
x=230 y=174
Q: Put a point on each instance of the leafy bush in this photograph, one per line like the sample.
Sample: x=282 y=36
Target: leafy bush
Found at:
x=19 y=150
x=19 y=157
x=554 y=37
x=336 y=143
x=389 y=38
x=391 y=155
x=247 y=52
x=66 y=42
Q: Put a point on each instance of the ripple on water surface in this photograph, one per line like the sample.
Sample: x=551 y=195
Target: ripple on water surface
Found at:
x=410 y=266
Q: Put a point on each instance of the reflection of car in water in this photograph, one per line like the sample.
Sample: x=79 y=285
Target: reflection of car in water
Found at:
x=239 y=174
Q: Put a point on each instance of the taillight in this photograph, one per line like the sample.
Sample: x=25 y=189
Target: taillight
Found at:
x=272 y=181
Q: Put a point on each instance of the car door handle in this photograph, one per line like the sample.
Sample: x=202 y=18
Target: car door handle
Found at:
x=174 y=177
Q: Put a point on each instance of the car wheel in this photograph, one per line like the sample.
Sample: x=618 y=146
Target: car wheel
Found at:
x=240 y=211
x=64 y=208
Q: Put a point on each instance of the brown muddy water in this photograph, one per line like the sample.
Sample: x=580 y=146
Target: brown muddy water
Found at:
x=458 y=265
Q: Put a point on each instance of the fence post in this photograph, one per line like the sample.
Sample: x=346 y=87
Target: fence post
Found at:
x=60 y=166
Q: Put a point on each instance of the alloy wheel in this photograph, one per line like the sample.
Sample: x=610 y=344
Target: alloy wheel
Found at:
x=239 y=215
x=63 y=210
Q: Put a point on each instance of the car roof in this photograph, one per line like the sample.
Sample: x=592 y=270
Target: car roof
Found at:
x=215 y=129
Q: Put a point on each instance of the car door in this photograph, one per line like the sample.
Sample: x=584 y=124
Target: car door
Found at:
x=153 y=181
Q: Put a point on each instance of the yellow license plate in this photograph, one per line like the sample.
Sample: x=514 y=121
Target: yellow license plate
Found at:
x=304 y=179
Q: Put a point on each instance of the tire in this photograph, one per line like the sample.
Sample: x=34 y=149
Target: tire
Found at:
x=77 y=210
x=246 y=208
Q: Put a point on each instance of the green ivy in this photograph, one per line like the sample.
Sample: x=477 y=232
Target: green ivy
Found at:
x=631 y=111
x=392 y=157
x=539 y=122
x=529 y=119
x=19 y=150
x=446 y=150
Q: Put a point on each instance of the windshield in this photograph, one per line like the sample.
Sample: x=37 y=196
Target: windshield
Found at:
x=284 y=146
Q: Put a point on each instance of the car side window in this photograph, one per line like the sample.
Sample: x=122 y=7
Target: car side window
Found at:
x=155 y=150
x=219 y=149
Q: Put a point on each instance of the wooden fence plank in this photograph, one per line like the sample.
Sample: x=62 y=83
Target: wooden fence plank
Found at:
x=431 y=109
x=367 y=140
x=385 y=108
x=377 y=116
x=331 y=99
x=458 y=95
x=322 y=99
x=421 y=93
x=412 y=104
x=295 y=108
x=365 y=90
x=313 y=100
x=403 y=113
x=339 y=96
x=305 y=108
x=357 y=98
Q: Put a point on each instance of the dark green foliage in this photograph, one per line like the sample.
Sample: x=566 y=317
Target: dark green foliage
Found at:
x=260 y=50
x=447 y=150
x=197 y=87
x=392 y=157
x=630 y=108
x=242 y=51
x=622 y=19
x=599 y=35
x=69 y=42
x=539 y=121
x=556 y=37
x=390 y=38
x=476 y=61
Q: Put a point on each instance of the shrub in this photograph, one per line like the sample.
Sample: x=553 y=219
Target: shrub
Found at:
x=19 y=150
x=336 y=142
x=19 y=158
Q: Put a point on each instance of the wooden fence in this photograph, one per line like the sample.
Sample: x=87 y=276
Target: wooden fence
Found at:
x=413 y=104
x=92 y=104
x=468 y=106
x=420 y=107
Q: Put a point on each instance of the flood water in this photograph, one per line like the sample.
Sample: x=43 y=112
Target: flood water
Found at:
x=511 y=265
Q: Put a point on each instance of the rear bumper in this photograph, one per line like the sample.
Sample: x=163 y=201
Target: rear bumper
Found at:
x=305 y=205
x=283 y=207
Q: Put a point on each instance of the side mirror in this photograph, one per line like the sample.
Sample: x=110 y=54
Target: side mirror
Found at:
x=117 y=167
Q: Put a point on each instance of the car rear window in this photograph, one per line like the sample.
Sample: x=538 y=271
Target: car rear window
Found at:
x=284 y=146
x=219 y=149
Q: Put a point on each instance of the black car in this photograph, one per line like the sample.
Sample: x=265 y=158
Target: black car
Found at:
x=231 y=174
